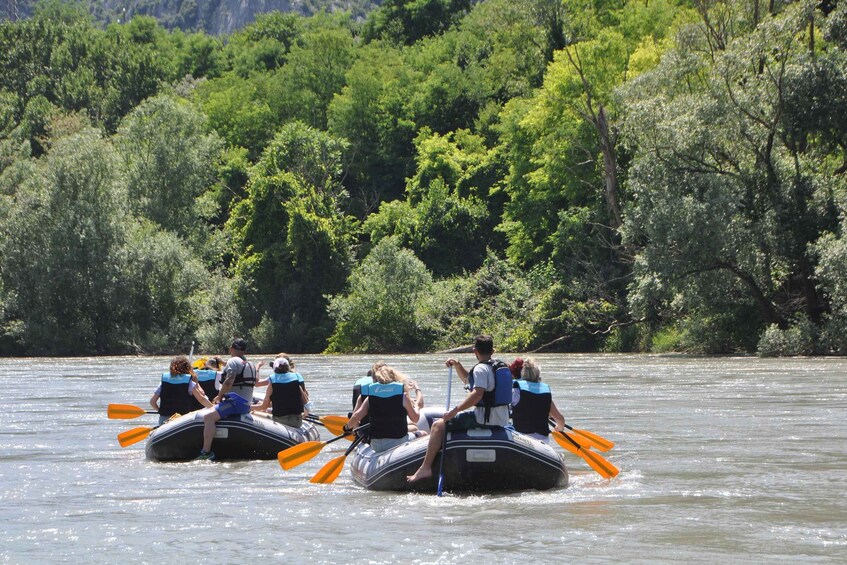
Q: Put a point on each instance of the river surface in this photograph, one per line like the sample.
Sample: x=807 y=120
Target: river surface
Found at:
x=723 y=459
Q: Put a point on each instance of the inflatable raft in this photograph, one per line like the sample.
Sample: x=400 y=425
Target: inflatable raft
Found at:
x=248 y=436
x=478 y=460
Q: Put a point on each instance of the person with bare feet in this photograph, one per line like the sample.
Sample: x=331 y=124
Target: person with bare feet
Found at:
x=490 y=382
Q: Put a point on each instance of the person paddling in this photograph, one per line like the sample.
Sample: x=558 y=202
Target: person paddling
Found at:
x=484 y=407
x=532 y=403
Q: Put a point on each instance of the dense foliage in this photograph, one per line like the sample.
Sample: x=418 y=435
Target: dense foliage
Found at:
x=613 y=175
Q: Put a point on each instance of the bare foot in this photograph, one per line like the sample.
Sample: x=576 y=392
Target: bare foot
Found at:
x=419 y=475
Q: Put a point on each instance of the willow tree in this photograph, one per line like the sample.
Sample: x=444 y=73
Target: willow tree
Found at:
x=727 y=196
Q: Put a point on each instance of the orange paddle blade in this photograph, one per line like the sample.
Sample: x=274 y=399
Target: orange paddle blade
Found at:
x=565 y=444
x=298 y=454
x=335 y=424
x=330 y=471
x=599 y=464
x=134 y=435
x=594 y=460
x=595 y=441
x=124 y=411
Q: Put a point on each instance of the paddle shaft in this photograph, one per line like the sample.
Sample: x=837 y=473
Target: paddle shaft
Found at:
x=329 y=472
x=440 y=490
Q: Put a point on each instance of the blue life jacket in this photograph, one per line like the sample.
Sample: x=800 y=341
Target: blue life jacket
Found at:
x=286 y=398
x=531 y=413
x=386 y=411
x=174 y=397
x=357 y=388
x=206 y=378
x=501 y=395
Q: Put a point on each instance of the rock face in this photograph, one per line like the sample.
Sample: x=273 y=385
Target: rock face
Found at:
x=216 y=17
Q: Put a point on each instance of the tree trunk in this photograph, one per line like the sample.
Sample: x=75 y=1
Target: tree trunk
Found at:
x=610 y=173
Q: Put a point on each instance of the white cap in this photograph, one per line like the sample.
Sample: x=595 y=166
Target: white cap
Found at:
x=279 y=362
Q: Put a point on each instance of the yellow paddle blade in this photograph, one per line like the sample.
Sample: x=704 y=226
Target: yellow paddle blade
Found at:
x=124 y=411
x=595 y=441
x=199 y=363
x=134 y=435
x=298 y=454
x=335 y=424
x=330 y=471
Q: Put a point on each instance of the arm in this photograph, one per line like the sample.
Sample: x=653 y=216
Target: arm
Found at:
x=360 y=413
x=266 y=401
x=304 y=395
x=460 y=369
x=557 y=416
x=411 y=409
x=261 y=382
x=201 y=397
x=470 y=400
x=225 y=388
x=154 y=400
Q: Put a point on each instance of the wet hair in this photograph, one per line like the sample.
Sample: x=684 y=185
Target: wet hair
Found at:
x=530 y=371
x=181 y=366
x=214 y=362
x=484 y=344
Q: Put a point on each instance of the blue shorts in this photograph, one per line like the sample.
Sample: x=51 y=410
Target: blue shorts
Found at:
x=232 y=404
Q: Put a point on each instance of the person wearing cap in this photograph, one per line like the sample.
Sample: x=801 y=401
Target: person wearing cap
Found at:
x=532 y=403
x=235 y=396
x=287 y=395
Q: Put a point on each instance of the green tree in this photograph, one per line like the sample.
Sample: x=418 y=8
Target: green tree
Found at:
x=168 y=157
x=725 y=201
x=379 y=312
x=294 y=241
x=63 y=236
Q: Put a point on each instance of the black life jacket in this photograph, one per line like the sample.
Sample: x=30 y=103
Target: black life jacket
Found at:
x=501 y=394
x=386 y=410
x=531 y=413
x=174 y=397
x=206 y=378
x=286 y=398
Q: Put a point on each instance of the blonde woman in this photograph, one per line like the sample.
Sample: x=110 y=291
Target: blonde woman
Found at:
x=388 y=405
x=532 y=404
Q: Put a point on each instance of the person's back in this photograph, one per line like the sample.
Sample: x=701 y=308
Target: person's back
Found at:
x=533 y=404
x=495 y=378
x=208 y=379
x=288 y=396
x=386 y=412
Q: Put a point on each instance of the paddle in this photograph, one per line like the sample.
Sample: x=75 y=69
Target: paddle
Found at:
x=126 y=411
x=592 y=439
x=594 y=460
x=334 y=424
x=332 y=469
x=134 y=435
x=302 y=452
x=440 y=490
